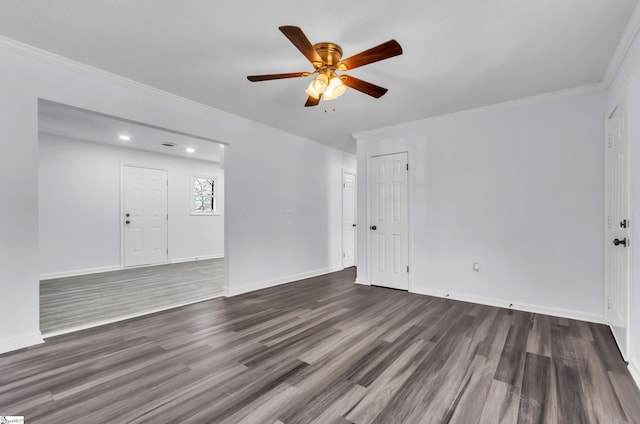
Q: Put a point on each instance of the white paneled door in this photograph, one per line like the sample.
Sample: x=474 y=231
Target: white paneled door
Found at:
x=617 y=226
x=348 y=219
x=388 y=231
x=144 y=216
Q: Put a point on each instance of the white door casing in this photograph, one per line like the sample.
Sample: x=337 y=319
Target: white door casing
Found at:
x=144 y=216
x=348 y=219
x=388 y=232
x=617 y=226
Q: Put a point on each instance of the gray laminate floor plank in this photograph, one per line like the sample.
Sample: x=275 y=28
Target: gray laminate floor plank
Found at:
x=81 y=301
x=323 y=350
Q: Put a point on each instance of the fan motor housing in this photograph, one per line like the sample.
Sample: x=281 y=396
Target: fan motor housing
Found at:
x=330 y=53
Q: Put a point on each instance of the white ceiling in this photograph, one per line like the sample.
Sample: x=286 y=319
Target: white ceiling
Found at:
x=71 y=122
x=458 y=54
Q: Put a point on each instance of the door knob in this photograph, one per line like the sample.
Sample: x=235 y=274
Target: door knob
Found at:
x=127 y=222
x=127 y=215
x=373 y=227
x=620 y=242
x=353 y=225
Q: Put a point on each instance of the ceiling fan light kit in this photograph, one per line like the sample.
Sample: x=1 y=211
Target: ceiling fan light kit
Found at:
x=327 y=85
x=321 y=83
x=326 y=59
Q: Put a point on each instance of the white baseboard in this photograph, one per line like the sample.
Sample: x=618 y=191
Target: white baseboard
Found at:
x=77 y=272
x=501 y=303
x=22 y=341
x=634 y=370
x=195 y=258
x=234 y=291
x=362 y=282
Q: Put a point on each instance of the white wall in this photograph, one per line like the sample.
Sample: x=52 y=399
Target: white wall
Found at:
x=295 y=206
x=19 y=289
x=626 y=80
x=267 y=173
x=79 y=206
x=518 y=188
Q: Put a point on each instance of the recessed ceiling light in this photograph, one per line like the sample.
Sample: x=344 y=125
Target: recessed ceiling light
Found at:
x=169 y=144
x=190 y=150
x=124 y=137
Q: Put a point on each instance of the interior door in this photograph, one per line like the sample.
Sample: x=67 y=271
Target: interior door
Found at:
x=617 y=227
x=144 y=216
x=388 y=221
x=348 y=219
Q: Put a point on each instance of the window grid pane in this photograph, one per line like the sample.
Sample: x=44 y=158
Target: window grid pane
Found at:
x=204 y=203
x=203 y=186
x=204 y=199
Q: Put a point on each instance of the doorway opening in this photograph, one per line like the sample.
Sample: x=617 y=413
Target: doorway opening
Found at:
x=96 y=268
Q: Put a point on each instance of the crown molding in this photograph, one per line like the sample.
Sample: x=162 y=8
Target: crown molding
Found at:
x=26 y=50
x=623 y=46
x=31 y=52
x=541 y=98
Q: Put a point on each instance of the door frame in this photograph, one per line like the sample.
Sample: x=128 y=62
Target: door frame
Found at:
x=355 y=214
x=409 y=214
x=622 y=97
x=122 y=212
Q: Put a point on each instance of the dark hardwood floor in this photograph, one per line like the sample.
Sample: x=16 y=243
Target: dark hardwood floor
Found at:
x=325 y=350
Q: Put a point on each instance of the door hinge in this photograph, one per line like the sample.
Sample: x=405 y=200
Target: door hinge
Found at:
x=344 y=255
x=608 y=303
x=407 y=167
x=167 y=217
x=407 y=268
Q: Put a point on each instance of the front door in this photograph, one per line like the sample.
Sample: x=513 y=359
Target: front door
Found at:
x=388 y=221
x=617 y=226
x=144 y=216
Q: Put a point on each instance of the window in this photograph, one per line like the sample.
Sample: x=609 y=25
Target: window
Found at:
x=203 y=196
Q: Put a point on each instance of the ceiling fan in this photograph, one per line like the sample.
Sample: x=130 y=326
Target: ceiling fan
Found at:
x=327 y=61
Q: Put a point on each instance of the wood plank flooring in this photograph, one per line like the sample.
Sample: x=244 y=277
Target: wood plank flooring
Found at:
x=86 y=300
x=325 y=350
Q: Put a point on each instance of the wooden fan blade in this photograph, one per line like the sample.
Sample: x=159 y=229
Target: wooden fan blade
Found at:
x=384 y=51
x=268 y=77
x=364 y=86
x=297 y=37
x=312 y=101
